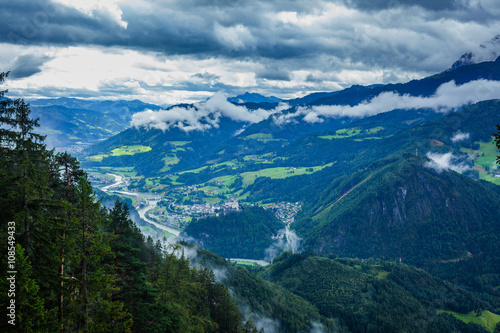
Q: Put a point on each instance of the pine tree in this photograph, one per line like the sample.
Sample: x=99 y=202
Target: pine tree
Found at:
x=31 y=314
x=497 y=141
x=133 y=288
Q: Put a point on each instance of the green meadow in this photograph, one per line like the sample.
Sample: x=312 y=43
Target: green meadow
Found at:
x=487 y=319
x=129 y=150
x=484 y=160
x=350 y=132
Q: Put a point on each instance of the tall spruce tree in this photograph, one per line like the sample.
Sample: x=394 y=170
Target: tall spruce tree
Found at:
x=497 y=141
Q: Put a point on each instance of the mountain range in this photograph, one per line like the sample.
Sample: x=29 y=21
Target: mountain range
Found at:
x=386 y=196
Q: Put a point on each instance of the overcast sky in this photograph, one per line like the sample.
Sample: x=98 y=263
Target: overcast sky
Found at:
x=172 y=51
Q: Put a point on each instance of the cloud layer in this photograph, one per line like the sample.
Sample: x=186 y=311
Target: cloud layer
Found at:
x=206 y=115
x=444 y=162
x=459 y=136
x=283 y=48
x=447 y=97
x=201 y=116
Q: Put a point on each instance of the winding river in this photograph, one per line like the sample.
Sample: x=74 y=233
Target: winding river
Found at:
x=150 y=199
x=152 y=202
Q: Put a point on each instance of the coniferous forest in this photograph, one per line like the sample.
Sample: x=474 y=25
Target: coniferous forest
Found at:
x=71 y=265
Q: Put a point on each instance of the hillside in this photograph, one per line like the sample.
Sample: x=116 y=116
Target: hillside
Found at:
x=243 y=234
x=69 y=122
x=409 y=206
x=407 y=210
x=272 y=307
x=373 y=296
x=216 y=137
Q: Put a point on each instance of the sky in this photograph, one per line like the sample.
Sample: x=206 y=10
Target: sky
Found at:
x=171 y=51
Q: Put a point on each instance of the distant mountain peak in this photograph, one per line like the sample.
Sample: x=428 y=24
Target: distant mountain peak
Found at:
x=254 y=98
x=488 y=51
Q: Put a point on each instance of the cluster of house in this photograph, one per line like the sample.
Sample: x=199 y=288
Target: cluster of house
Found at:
x=285 y=211
x=184 y=213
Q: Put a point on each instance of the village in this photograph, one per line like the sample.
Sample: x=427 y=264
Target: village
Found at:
x=181 y=204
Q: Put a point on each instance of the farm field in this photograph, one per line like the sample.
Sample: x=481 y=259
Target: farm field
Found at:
x=279 y=172
x=487 y=319
x=124 y=150
x=485 y=160
x=350 y=132
x=130 y=150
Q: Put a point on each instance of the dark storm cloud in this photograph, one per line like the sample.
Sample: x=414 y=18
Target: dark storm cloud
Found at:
x=427 y=4
x=27 y=65
x=311 y=78
x=232 y=29
x=327 y=36
x=35 y=22
x=273 y=73
x=206 y=77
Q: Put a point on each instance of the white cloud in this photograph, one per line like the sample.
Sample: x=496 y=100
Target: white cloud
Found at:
x=287 y=240
x=334 y=44
x=237 y=37
x=459 y=136
x=444 y=162
x=201 y=116
x=447 y=97
x=91 y=7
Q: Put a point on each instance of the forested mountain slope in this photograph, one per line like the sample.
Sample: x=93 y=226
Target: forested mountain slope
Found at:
x=372 y=296
x=243 y=234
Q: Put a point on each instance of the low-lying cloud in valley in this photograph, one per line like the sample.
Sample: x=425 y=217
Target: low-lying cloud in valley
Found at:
x=457 y=137
x=206 y=115
x=444 y=162
x=287 y=240
x=201 y=116
x=448 y=96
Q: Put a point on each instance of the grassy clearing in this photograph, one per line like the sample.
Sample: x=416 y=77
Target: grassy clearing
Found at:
x=97 y=158
x=382 y=275
x=193 y=170
x=243 y=263
x=146 y=228
x=179 y=143
x=409 y=122
x=485 y=159
x=259 y=136
x=279 y=172
x=487 y=319
x=233 y=164
x=242 y=197
x=130 y=150
x=167 y=234
x=169 y=161
x=350 y=132
x=123 y=196
x=224 y=180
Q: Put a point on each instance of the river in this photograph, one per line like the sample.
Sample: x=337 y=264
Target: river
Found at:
x=152 y=204
x=145 y=197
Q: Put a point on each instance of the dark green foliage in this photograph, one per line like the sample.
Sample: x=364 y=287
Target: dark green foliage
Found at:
x=446 y=322
x=410 y=211
x=263 y=301
x=369 y=296
x=80 y=268
x=243 y=234
x=497 y=142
